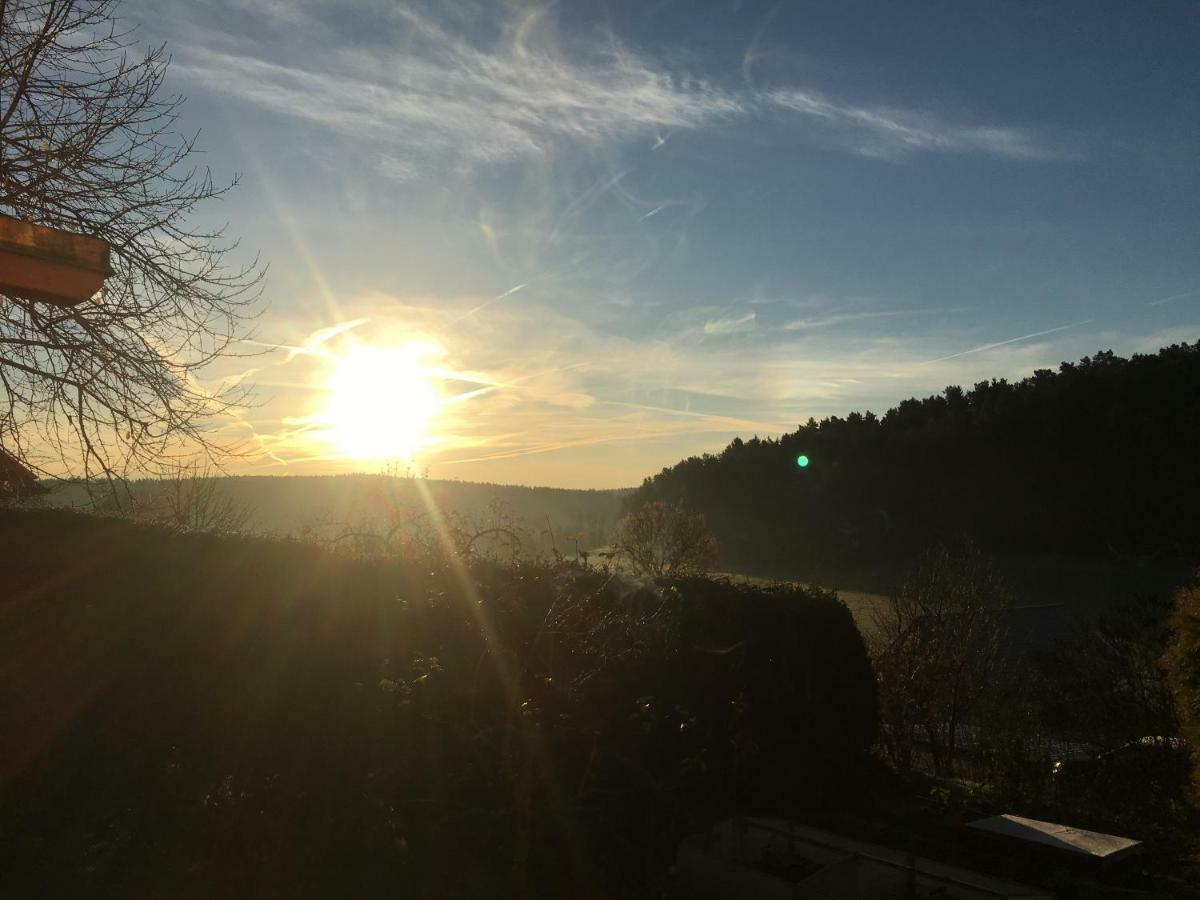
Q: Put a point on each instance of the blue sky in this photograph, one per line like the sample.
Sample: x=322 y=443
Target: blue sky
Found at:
x=627 y=232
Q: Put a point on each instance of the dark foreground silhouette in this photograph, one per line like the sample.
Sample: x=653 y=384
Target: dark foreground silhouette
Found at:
x=189 y=715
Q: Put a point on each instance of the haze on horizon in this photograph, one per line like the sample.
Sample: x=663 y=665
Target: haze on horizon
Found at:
x=570 y=244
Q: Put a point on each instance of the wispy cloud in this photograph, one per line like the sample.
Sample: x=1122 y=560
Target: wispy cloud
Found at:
x=831 y=320
x=444 y=98
x=890 y=133
x=730 y=324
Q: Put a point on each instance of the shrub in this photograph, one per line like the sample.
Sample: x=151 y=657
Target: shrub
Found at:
x=1182 y=662
x=662 y=539
x=235 y=709
x=939 y=652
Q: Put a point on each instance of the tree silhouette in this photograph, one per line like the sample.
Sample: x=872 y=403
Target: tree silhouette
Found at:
x=87 y=143
x=1182 y=662
x=938 y=653
x=665 y=540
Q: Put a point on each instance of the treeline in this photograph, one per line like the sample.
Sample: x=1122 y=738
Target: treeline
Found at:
x=323 y=507
x=1097 y=459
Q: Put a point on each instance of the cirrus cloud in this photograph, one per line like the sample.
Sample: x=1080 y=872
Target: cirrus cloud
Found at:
x=445 y=98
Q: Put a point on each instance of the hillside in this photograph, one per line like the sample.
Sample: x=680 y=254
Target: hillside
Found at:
x=327 y=505
x=1096 y=461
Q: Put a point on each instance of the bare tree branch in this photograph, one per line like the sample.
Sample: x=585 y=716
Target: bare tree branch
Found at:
x=664 y=540
x=88 y=142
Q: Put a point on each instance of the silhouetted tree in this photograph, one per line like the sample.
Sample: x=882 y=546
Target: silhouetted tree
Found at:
x=195 y=499
x=1112 y=679
x=938 y=651
x=662 y=539
x=88 y=143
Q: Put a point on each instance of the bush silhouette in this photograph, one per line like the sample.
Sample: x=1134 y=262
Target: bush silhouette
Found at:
x=254 y=716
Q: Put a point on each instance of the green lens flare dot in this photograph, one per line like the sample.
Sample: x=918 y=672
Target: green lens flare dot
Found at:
x=802 y=461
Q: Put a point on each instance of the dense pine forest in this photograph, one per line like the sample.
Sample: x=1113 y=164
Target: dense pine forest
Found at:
x=1096 y=460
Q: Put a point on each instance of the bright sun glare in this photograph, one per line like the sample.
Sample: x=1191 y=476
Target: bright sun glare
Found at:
x=382 y=402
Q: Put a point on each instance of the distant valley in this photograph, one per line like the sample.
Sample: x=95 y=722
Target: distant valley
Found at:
x=324 y=506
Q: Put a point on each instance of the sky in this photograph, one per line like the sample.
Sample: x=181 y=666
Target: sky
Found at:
x=607 y=236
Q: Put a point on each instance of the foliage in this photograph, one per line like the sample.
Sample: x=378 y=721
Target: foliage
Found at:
x=1096 y=459
x=1182 y=662
x=226 y=712
x=661 y=539
x=494 y=534
x=1111 y=685
x=88 y=143
x=940 y=657
x=193 y=498
x=1084 y=735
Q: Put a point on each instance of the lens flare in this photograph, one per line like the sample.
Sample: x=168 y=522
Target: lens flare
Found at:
x=802 y=461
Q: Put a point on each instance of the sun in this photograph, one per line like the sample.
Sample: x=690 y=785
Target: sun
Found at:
x=382 y=402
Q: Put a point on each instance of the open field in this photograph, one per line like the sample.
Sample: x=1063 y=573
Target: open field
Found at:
x=1074 y=589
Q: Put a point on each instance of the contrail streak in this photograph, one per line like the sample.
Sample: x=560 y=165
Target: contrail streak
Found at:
x=1164 y=300
x=486 y=303
x=566 y=445
x=1016 y=340
x=312 y=343
x=731 y=421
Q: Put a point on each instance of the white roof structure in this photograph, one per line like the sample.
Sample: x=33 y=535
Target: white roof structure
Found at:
x=773 y=859
x=1104 y=848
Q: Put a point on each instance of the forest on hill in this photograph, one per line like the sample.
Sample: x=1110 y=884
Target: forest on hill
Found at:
x=1097 y=460
x=326 y=507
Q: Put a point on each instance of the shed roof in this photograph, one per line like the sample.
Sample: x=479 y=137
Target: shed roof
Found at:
x=1076 y=842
